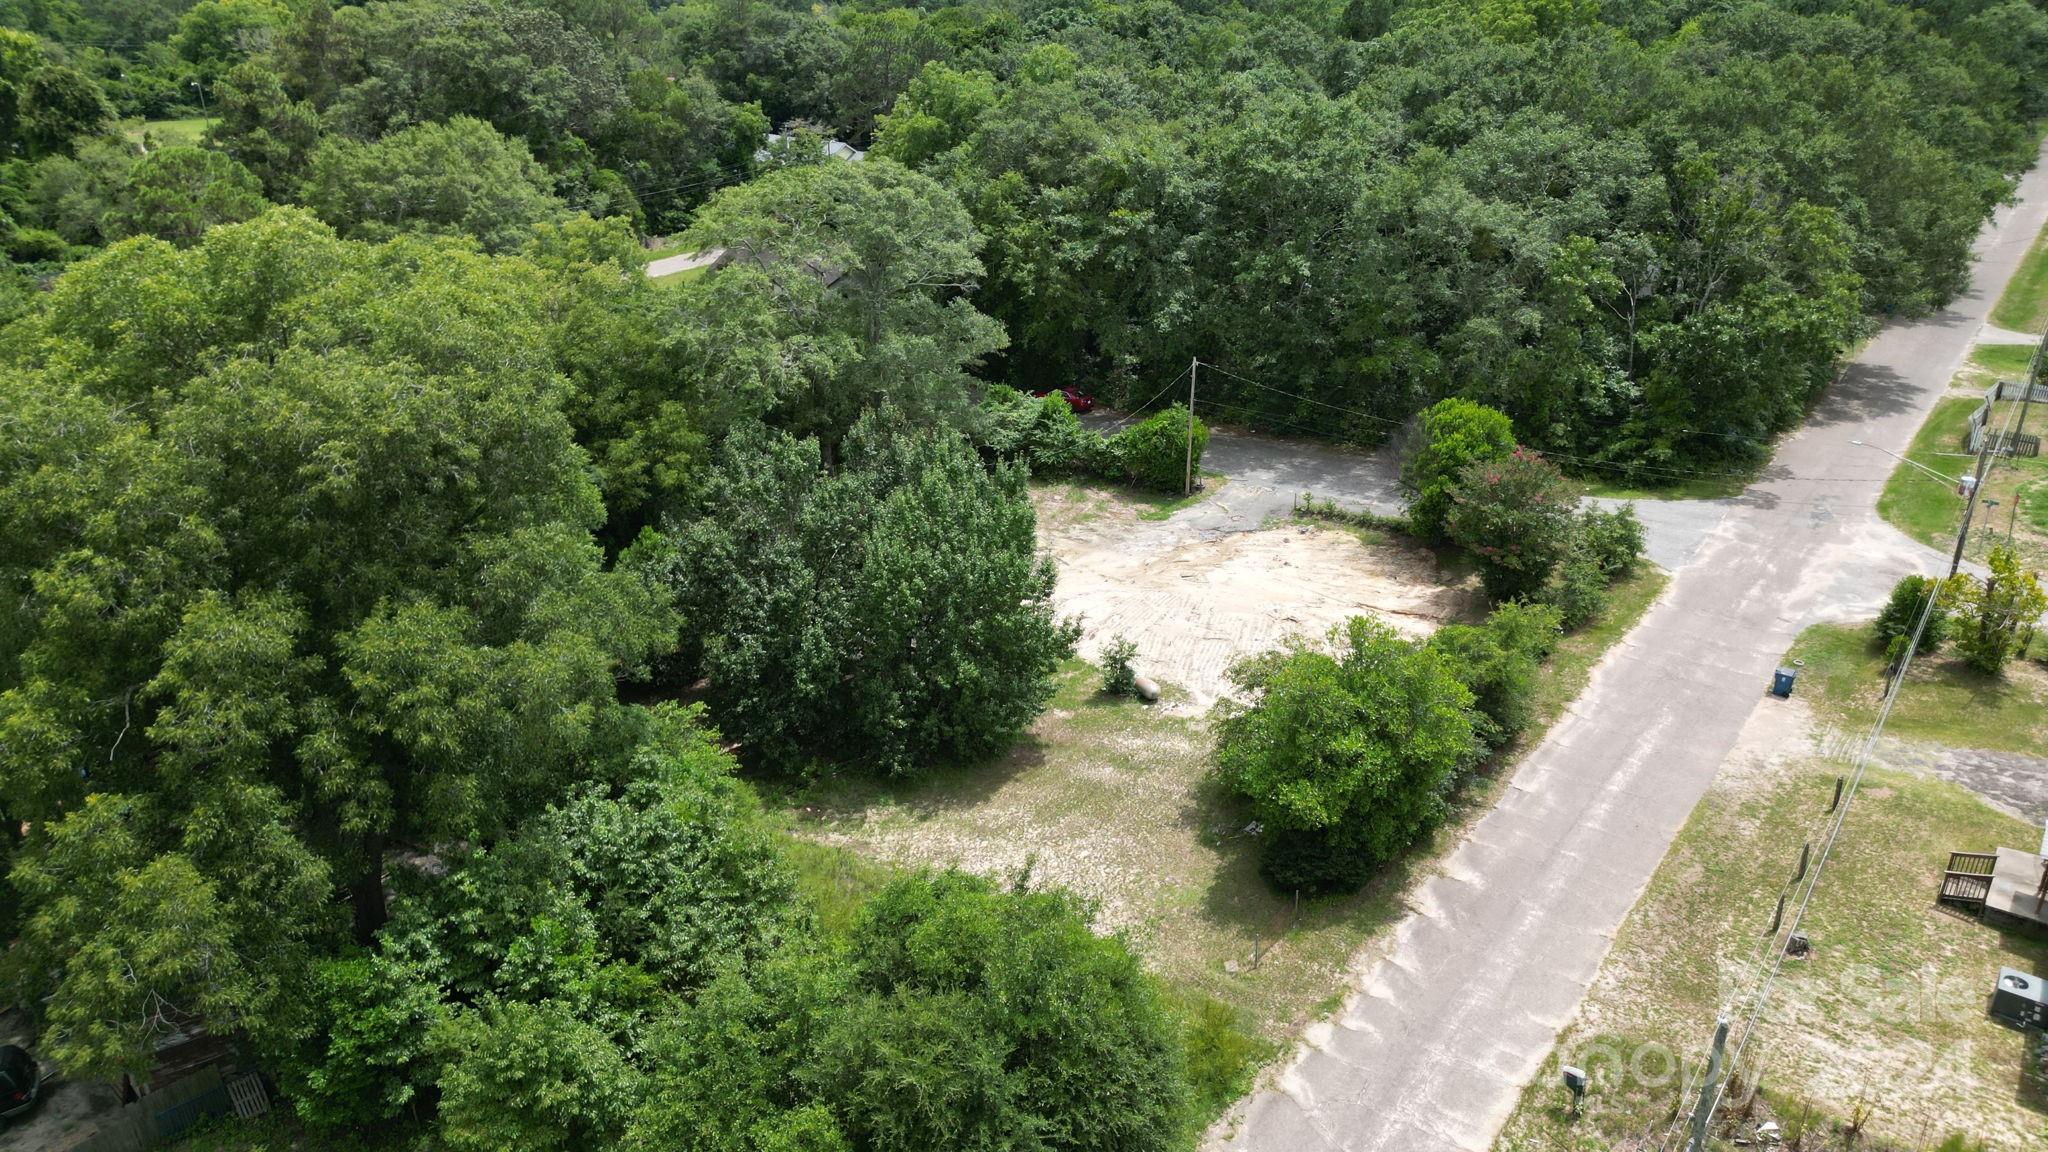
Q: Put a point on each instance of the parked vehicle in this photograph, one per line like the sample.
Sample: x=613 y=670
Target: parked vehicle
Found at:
x=1078 y=401
x=21 y=1078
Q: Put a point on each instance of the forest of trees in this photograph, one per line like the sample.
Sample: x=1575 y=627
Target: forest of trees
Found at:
x=367 y=517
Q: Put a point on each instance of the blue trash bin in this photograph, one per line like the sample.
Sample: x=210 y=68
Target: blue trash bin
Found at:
x=1783 y=678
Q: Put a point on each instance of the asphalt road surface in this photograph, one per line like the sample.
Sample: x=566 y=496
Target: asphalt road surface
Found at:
x=1441 y=1032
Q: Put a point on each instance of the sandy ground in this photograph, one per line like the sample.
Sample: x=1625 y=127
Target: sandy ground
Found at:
x=1195 y=600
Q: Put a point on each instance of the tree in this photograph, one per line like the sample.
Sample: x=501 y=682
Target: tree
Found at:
x=459 y=178
x=55 y=107
x=263 y=128
x=1450 y=435
x=894 y=613
x=313 y=547
x=956 y=1016
x=1345 y=760
x=1999 y=613
x=531 y=1076
x=177 y=193
x=936 y=114
x=1613 y=539
x=367 y=1051
x=869 y=264
x=1516 y=515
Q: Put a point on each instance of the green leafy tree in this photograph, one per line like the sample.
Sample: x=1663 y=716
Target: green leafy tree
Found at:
x=300 y=518
x=869 y=265
x=935 y=114
x=367 y=1051
x=1450 y=435
x=1345 y=760
x=1998 y=614
x=177 y=193
x=1118 y=679
x=55 y=106
x=460 y=177
x=534 y=1076
x=1517 y=516
x=263 y=128
x=894 y=613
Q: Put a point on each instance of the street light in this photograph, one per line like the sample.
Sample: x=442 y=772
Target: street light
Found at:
x=1951 y=481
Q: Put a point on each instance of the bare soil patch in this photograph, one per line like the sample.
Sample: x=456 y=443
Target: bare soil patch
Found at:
x=1195 y=600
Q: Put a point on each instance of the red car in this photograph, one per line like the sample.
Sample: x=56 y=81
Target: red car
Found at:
x=1078 y=401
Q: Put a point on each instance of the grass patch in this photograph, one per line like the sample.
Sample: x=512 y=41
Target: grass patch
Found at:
x=669 y=246
x=167 y=133
x=1570 y=666
x=1944 y=701
x=1916 y=503
x=1728 y=483
x=2024 y=305
x=1887 y=1014
x=834 y=881
x=1162 y=505
x=2006 y=361
x=675 y=279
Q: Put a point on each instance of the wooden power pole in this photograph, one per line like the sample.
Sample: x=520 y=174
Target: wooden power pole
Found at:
x=1188 y=483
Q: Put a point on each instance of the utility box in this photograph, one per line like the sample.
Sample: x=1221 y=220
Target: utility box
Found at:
x=2020 y=999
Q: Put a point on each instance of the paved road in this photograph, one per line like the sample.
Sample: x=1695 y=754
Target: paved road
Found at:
x=1442 y=1031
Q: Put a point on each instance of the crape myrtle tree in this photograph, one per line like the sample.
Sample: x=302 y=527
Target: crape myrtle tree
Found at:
x=299 y=557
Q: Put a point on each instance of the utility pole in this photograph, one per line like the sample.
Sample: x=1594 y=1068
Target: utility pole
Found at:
x=2026 y=398
x=1955 y=563
x=1710 y=1090
x=1188 y=484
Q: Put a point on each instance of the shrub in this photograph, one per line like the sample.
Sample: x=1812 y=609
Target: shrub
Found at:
x=1518 y=516
x=1613 y=538
x=1578 y=590
x=1452 y=435
x=1153 y=453
x=1345 y=760
x=1118 y=678
x=1044 y=432
x=1902 y=613
x=1499 y=661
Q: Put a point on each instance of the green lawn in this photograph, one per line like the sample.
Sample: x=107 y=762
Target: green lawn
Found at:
x=674 y=279
x=170 y=132
x=2005 y=361
x=1944 y=701
x=1729 y=483
x=2024 y=306
x=669 y=246
x=1916 y=503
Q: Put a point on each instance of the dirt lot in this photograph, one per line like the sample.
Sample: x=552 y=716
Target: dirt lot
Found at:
x=1195 y=598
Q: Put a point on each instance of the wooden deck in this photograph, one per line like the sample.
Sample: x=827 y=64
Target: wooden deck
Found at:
x=2011 y=899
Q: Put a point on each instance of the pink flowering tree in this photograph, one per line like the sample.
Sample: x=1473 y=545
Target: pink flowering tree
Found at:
x=1517 y=516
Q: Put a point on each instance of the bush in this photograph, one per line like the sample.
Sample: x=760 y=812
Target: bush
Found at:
x=1902 y=613
x=957 y=1016
x=1579 y=589
x=1044 y=432
x=1118 y=678
x=1452 y=435
x=1345 y=760
x=1518 y=517
x=1153 y=453
x=1614 y=539
x=1499 y=661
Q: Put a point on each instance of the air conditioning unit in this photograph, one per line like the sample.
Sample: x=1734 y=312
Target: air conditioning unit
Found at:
x=2020 y=999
